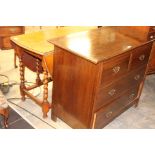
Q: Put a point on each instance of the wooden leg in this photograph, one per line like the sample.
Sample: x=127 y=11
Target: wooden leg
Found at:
x=15 y=65
x=45 y=105
x=5 y=122
x=6 y=118
x=136 y=103
x=5 y=115
x=38 y=80
x=139 y=94
x=22 y=79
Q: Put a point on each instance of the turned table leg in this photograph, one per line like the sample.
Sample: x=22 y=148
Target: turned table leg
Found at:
x=38 y=80
x=22 y=79
x=45 y=104
x=15 y=65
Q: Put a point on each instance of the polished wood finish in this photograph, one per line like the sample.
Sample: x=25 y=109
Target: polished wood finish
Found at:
x=22 y=78
x=140 y=56
x=94 y=50
x=114 y=68
x=115 y=89
x=73 y=88
x=83 y=95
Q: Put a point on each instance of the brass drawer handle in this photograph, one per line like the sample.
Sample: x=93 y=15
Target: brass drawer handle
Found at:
x=109 y=114
x=152 y=36
x=116 y=69
x=137 y=77
x=132 y=96
x=142 y=57
x=13 y=30
x=112 y=92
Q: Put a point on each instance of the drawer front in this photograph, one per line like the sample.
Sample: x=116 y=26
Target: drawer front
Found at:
x=152 y=29
x=12 y=30
x=109 y=112
x=116 y=89
x=115 y=68
x=140 y=56
x=30 y=62
x=6 y=44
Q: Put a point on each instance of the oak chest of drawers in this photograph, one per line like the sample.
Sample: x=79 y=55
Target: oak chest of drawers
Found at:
x=97 y=75
x=6 y=32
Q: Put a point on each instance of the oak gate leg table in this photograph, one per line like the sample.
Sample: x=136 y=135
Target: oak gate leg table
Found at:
x=36 y=53
x=36 y=63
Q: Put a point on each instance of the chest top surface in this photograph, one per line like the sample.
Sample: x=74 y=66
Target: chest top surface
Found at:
x=97 y=45
x=37 y=41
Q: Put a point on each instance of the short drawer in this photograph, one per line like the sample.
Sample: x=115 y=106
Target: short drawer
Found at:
x=151 y=36
x=12 y=30
x=27 y=58
x=116 y=89
x=109 y=112
x=152 y=29
x=115 y=68
x=140 y=55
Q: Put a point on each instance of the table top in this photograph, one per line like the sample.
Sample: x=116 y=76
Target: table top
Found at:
x=37 y=42
x=99 y=44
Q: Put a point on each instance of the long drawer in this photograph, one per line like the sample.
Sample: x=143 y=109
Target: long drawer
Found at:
x=112 y=91
x=115 y=68
x=109 y=112
x=12 y=30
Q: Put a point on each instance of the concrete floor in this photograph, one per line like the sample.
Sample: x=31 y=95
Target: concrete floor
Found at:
x=16 y=121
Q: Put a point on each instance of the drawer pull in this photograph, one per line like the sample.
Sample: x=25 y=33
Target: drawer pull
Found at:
x=12 y=30
x=109 y=114
x=116 y=69
x=137 y=77
x=151 y=37
x=112 y=92
x=142 y=57
x=131 y=97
